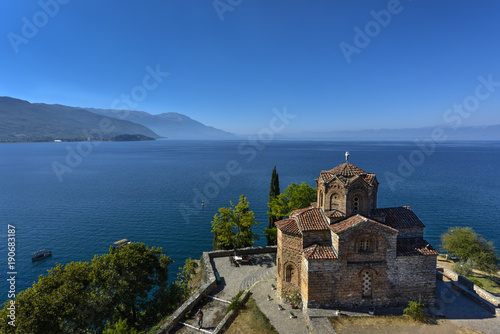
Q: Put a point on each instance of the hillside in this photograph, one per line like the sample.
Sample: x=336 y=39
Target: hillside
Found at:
x=171 y=125
x=22 y=121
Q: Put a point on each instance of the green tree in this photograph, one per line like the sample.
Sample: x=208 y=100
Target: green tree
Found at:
x=120 y=327
x=232 y=227
x=467 y=245
x=129 y=283
x=274 y=191
x=185 y=275
x=294 y=197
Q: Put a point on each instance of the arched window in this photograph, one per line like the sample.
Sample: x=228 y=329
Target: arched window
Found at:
x=289 y=273
x=356 y=204
x=366 y=284
x=334 y=201
x=279 y=267
x=321 y=199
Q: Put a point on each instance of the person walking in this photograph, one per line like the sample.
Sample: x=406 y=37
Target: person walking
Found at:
x=199 y=314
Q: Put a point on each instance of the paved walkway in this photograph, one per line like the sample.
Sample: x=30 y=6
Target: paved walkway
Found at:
x=462 y=311
x=260 y=276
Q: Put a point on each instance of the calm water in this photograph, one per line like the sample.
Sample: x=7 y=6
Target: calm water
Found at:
x=151 y=192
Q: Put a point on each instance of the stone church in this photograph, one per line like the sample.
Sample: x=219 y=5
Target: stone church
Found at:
x=344 y=252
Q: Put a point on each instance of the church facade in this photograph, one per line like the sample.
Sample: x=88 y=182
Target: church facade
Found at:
x=343 y=251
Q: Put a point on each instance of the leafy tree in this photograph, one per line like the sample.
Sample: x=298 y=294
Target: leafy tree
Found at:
x=274 y=191
x=120 y=327
x=129 y=283
x=232 y=227
x=467 y=245
x=185 y=275
x=294 y=197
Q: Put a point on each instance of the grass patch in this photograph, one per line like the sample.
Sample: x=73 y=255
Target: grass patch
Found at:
x=251 y=320
x=486 y=282
x=393 y=325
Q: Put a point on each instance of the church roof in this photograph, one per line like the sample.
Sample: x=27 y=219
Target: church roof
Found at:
x=414 y=247
x=317 y=252
x=311 y=219
x=353 y=221
x=334 y=213
x=346 y=171
x=400 y=217
x=288 y=225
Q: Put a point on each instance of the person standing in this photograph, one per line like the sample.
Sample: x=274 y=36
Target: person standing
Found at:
x=199 y=314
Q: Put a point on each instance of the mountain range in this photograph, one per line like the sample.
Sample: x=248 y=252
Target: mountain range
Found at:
x=22 y=121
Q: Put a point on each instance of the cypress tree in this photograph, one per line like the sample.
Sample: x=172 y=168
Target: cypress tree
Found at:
x=274 y=191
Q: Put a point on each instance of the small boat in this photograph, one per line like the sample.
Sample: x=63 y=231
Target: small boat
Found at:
x=40 y=255
x=121 y=243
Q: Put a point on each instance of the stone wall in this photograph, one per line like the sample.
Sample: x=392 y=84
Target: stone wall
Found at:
x=412 y=277
x=415 y=232
x=289 y=253
x=316 y=237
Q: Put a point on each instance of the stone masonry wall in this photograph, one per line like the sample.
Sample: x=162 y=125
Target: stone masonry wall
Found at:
x=414 y=277
x=316 y=237
x=289 y=253
x=415 y=232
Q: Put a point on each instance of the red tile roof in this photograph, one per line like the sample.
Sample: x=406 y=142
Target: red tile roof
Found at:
x=317 y=252
x=311 y=219
x=353 y=221
x=334 y=213
x=414 y=247
x=288 y=225
x=345 y=172
x=400 y=217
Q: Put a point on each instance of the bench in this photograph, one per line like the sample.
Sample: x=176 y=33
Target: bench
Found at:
x=217 y=277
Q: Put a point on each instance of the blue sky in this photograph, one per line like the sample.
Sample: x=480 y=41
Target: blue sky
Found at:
x=231 y=62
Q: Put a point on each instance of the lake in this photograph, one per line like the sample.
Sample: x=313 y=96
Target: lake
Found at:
x=76 y=199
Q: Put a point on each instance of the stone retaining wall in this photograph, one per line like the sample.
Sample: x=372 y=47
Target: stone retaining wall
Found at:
x=204 y=290
x=230 y=316
x=472 y=291
x=210 y=286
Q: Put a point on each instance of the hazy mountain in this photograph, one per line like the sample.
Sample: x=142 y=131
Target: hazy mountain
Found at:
x=171 y=125
x=24 y=121
x=486 y=132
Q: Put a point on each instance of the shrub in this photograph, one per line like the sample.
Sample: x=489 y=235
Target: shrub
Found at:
x=463 y=268
x=415 y=310
x=236 y=303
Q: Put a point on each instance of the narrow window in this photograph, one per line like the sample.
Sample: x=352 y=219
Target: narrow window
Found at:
x=355 y=204
x=289 y=273
x=366 y=282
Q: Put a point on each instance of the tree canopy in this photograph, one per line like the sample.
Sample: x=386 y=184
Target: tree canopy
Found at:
x=232 y=227
x=467 y=245
x=294 y=197
x=128 y=286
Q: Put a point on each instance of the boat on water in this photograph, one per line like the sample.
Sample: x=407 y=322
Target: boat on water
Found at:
x=40 y=255
x=121 y=243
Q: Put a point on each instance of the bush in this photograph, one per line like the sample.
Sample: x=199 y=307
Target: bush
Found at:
x=236 y=303
x=415 y=310
x=463 y=268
